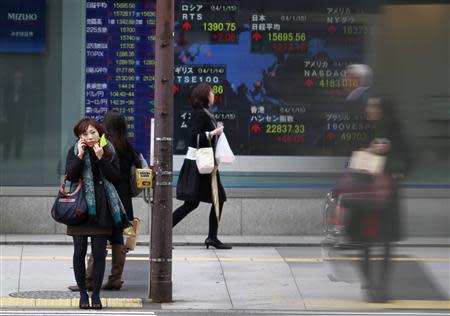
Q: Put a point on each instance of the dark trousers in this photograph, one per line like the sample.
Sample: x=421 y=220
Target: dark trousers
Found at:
x=98 y=245
x=375 y=272
x=188 y=207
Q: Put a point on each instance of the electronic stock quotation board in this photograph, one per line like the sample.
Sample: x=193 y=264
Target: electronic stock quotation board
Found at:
x=276 y=68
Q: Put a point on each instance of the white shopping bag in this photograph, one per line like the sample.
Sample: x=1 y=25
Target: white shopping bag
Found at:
x=204 y=158
x=224 y=154
x=367 y=162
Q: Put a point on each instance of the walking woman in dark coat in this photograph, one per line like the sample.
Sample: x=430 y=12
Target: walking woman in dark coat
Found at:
x=193 y=187
x=387 y=141
x=117 y=132
x=98 y=167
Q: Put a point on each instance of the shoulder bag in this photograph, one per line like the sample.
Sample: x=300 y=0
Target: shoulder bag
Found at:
x=204 y=158
x=70 y=208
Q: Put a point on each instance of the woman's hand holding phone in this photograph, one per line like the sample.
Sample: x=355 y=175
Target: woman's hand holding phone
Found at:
x=81 y=145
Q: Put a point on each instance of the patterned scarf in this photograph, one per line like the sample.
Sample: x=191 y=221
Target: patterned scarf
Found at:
x=112 y=197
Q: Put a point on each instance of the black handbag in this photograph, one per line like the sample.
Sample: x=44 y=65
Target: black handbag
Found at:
x=70 y=208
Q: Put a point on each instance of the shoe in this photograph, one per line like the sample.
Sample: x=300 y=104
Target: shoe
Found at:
x=84 y=301
x=216 y=243
x=75 y=288
x=96 y=302
x=112 y=286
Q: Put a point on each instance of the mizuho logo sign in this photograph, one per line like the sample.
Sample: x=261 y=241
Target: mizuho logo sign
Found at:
x=22 y=16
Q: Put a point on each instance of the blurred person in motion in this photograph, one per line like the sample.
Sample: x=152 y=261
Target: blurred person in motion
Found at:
x=356 y=82
x=193 y=187
x=377 y=222
x=358 y=78
x=99 y=169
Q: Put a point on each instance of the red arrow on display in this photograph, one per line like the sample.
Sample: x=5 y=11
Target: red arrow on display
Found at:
x=330 y=136
x=187 y=26
x=175 y=88
x=309 y=83
x=332 y=29
x=256 y=36
x=255 y=128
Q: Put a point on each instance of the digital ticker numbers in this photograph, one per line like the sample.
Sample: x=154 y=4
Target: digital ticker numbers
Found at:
x=120 y=63
x=274 y=33
x=188 y=75
x=278 y=71
x=214 y=21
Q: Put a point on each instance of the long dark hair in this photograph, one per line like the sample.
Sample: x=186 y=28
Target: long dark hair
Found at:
x=117 y=131
x=82 y=127
x=199 y=95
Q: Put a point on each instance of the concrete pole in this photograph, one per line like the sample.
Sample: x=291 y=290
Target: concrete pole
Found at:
x=161 y=227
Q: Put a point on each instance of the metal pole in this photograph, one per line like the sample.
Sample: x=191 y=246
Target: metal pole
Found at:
x=161 y=231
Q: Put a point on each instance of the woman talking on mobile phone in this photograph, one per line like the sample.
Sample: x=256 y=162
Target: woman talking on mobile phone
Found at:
x=98 y=167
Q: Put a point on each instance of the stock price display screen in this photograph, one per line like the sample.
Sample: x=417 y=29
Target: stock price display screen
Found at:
x=277 y=70
x=120 y=63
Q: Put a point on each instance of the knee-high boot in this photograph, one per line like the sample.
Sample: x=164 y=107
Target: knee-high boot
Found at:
x=119 y=253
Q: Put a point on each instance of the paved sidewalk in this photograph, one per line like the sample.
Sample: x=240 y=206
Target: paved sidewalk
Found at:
x=198 y=240
x=36 y=270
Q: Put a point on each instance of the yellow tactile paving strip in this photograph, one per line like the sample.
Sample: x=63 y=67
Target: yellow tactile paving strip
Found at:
x=9 y=302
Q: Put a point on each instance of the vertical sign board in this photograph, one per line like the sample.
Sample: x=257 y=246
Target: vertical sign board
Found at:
x=277 y=70
x=22 y=26
x=120 y=64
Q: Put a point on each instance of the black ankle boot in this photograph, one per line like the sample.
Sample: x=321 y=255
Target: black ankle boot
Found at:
x=96 y=302
x=84 y=300
x=216 y=243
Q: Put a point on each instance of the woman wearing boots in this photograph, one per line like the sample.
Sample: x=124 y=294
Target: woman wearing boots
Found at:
x=116 y=131
x=193 y=187
x=98 y=167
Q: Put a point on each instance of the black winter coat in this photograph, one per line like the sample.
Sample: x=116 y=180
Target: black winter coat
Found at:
x=103 y=224
x=193 y=186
